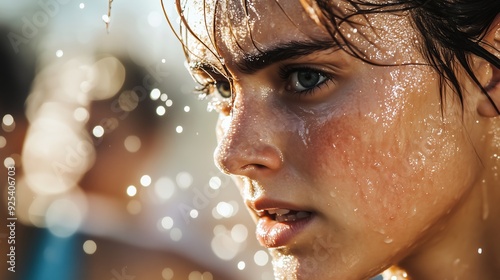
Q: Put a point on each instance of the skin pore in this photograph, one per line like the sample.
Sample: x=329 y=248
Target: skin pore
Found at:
x=377 y=168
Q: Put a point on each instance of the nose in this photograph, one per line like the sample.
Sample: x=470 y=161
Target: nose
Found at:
x=249 y=139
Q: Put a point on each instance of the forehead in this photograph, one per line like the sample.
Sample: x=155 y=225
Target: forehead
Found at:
x=240 y=27
x=230 y=29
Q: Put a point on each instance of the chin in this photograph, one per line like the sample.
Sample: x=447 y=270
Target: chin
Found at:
x=292 y=267
x=313 y=267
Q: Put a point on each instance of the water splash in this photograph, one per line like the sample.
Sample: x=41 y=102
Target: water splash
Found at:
x=107 y=18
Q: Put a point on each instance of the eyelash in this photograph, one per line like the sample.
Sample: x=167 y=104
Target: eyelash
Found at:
x=208 y=91
x=286 y=71
x=220 y=103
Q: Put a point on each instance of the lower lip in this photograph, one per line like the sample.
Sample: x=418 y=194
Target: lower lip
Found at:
x=273 y=234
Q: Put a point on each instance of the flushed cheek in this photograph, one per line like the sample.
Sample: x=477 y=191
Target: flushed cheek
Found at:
x=383 y=166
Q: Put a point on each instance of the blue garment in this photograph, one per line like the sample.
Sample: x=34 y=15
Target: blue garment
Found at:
x=53 y=258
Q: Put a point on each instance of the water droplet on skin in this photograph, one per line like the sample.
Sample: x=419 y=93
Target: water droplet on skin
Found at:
x=480 y=251
x=283 y=264
x=388 y=240
x=486 y=208
x=414 y=211
x=343 y=257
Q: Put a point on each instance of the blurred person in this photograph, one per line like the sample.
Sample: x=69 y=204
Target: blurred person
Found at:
x=16 y=75
x=73 y=189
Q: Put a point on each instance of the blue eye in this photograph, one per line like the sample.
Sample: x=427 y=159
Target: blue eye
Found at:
x=303 y=80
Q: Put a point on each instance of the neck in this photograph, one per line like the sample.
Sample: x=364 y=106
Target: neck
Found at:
x=467 y=246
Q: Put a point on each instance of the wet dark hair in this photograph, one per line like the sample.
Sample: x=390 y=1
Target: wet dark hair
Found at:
x=451 y=31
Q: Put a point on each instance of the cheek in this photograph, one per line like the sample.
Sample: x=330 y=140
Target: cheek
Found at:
x=390 y=155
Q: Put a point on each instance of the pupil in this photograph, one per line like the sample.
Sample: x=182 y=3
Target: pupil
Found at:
x=224 y=89
x=308 y=79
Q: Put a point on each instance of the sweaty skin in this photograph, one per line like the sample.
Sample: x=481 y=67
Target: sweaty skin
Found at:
x=388 y=174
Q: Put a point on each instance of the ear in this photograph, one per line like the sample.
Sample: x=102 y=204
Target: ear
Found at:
x=490 y=75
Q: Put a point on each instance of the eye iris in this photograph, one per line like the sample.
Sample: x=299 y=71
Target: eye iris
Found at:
x=224 y=89
x=307 y=79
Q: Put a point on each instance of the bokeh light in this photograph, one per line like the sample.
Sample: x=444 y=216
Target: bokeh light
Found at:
x=155 y=94
x=98 y=131
x=64 y=217
x=131 y=190
x=96 y=172
x=89 y=247
x=3 y=142
x=132 y=143
x=184 y=180
x=164 y=188
x=145 y=180
x=261 y=258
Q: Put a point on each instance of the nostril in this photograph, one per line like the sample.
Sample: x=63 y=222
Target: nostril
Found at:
x=260 y=166
x=250 y=167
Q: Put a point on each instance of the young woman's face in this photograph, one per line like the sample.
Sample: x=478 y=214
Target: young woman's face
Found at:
x=347 y=167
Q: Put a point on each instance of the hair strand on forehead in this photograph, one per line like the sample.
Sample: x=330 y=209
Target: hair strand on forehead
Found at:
x=451 y=30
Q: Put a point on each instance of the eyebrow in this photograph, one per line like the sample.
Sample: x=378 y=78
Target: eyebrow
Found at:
x=252 y=63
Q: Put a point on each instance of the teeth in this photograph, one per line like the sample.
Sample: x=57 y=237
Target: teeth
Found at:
x=282 y=215
x=287 y=218
x=279 y=211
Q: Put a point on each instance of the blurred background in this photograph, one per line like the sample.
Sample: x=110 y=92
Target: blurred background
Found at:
x=110 y=152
